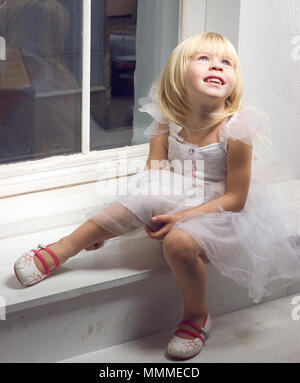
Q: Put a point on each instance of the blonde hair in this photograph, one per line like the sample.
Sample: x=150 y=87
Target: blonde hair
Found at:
x=170 y=86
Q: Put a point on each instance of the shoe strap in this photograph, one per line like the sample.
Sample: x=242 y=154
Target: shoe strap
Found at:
x=197 y=335
x=41 y=258
x=195 y=325
x=50 y=252
x=44 y=263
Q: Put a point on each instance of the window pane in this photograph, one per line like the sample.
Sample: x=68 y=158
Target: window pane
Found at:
x=131 y=42
x=40 y=80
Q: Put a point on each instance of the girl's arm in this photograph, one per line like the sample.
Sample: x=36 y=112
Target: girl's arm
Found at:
x=158 y=152
x=239 y=160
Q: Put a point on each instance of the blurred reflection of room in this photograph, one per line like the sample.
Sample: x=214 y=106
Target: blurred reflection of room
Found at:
x=112 y=106
x=40 y=80
x=40 y=99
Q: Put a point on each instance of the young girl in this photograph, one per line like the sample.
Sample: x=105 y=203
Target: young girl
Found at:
x=227 y=215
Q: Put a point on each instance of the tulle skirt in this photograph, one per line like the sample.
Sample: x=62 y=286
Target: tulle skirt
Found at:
x=253 y=247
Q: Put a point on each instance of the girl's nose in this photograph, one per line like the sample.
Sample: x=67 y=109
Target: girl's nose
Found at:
x=215 y=64
x=216 y=67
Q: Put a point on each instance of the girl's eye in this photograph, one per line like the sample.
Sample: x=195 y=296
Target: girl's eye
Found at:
x=203 y=57
x=227 y=61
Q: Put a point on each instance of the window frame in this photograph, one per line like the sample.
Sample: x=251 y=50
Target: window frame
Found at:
x=69 y=170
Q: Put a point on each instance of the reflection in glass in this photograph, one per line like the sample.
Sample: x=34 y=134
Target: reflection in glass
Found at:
x=40 y=79
x=40 y=90
x=137 y=38
x=112 y=75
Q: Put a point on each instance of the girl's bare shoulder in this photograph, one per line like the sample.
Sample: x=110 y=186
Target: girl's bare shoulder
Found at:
x=158 y=148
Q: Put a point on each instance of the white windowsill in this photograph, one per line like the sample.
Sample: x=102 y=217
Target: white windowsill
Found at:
x=64 y=171
x=34 y=212
x=119 y=262
x=44 y=217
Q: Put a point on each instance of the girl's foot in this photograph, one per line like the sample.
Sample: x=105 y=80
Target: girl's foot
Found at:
x=26 y=269
x=35 y=265
x=183 y=345
x=61 y=249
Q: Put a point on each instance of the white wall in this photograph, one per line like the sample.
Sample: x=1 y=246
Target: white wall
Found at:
x=223 y=17
x=271 y=75
x=188 y=26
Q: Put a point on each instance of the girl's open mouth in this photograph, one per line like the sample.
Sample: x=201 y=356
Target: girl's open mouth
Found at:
x=215 y=80
x=212 y=83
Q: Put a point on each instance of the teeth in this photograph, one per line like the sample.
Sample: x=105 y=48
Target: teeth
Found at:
x=212 y=79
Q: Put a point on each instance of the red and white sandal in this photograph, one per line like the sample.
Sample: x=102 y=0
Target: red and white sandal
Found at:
x=27 y=272
x=180 y=348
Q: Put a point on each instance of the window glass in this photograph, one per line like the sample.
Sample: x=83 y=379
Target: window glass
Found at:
x=137 y=38
x=113 y=60
x=40 y=73
x=40 y=79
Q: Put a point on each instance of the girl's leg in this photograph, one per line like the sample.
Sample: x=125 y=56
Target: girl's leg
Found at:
x=84 y=236
x=187 y=260
x=112 y=221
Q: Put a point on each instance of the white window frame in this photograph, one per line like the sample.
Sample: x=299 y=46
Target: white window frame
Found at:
x=192 y=15
x=69 y=170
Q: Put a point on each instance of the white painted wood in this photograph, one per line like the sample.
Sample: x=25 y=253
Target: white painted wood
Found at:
x=271 y=70
x=192 y=18
x=197 y=16
x=81 y=324
x=35 y=212
x=119 y=262
x=100 y=299
x=224 y=17
x=247 y=336
x=106 y=297
x=86 y=76
x=120 y=256
x=61 y=171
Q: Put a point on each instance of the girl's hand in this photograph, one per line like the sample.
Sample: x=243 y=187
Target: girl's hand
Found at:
x=95 y=246
x=167 y=220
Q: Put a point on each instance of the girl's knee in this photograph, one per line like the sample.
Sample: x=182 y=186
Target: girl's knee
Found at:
x=180 y=245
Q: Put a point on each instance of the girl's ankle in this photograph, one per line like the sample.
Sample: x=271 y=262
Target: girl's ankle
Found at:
x=67 y=248
x=196 y=317
x=63 y=250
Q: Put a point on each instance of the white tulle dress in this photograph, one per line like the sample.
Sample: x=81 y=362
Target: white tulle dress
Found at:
x=253 y=247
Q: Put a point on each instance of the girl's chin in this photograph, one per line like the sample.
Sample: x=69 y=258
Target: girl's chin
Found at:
x=212 y=90
x=209 y=97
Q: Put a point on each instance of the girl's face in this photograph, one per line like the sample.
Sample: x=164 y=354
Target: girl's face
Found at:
x=209 y=77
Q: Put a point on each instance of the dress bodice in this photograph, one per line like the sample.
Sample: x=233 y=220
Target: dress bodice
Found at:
x=206 y=163
x=248 y=125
